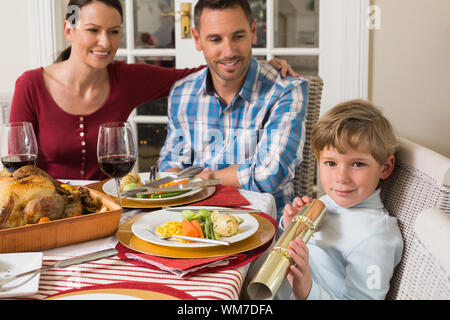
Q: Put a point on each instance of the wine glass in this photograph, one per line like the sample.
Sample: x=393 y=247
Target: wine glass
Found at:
x=18 y=145
x=116 y=151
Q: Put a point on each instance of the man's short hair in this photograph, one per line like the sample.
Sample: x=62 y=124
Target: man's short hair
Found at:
x=355 y=124
x=220 y=5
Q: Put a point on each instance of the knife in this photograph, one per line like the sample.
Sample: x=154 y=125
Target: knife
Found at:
x=62 y=264
x=185 y=173
x=185 y=186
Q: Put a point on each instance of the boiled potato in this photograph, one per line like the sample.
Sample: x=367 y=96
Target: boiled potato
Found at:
x=132 y=177
x=226 y=225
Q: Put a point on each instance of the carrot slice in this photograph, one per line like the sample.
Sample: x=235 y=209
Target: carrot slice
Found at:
x=44 y=219
x=173 y=183
x=198 y=227
x=188 y=229
x=179 y=182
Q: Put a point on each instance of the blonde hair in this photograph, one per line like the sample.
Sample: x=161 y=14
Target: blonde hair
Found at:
x=357 y=124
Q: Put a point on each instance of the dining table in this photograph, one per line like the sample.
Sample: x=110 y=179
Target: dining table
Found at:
x=117 y=278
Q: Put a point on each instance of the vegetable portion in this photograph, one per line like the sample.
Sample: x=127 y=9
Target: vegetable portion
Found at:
x=202 y=224
x=212 y=223
x=133 y=181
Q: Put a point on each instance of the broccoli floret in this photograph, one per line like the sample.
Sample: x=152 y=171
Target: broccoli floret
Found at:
x=188 y=214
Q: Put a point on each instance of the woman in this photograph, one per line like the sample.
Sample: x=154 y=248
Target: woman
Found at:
x=67 y=101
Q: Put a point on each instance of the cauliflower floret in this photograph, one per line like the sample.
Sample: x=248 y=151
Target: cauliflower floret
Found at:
x=226 y=225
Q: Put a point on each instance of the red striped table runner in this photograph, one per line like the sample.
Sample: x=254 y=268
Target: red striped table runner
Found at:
x=221 y=285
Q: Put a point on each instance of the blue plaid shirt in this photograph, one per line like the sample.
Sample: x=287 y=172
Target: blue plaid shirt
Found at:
x=261 y=130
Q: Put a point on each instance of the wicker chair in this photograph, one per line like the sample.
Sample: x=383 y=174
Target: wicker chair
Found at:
x=305 y=175
x=418 y=194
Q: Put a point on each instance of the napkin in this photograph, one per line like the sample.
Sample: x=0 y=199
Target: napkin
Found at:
x=181 y=268
x=226 y=196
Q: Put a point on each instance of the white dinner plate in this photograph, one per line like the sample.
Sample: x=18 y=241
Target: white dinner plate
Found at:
x=145 y=225
x=110 y=188
x=15 y=263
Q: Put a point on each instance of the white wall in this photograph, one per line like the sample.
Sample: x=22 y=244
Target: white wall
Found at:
x=15 y=55
x=410 y=69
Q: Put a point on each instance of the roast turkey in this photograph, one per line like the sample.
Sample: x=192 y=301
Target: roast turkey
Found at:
x=31 y=194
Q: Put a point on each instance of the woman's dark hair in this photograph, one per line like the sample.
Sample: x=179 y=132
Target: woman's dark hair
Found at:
x=219 y=5
x=80 y=4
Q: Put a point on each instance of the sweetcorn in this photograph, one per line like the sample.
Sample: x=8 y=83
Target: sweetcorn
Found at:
x=170 y=228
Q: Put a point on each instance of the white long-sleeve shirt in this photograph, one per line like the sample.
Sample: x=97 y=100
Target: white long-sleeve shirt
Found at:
x=354 y=252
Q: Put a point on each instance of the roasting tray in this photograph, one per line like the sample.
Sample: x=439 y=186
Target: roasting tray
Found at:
x=58 y=233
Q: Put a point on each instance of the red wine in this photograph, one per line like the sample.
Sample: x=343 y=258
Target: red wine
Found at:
x=116 y=166
x=14 y=162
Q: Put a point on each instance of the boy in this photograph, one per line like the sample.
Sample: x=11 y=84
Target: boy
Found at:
x=358 y=245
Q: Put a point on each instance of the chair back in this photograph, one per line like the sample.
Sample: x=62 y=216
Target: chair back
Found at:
x=305 y=178
x=420 y=180
x=427 y=274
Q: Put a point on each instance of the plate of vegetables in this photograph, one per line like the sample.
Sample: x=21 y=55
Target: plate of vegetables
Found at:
x=194 y=222
x=134 y=180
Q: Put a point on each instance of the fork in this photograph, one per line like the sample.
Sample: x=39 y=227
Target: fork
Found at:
x=153 y=171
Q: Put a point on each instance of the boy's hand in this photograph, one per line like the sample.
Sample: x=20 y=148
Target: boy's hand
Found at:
x=299 y=275
x=291 y=210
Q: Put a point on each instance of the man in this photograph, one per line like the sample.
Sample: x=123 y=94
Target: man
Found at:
x=238 y=118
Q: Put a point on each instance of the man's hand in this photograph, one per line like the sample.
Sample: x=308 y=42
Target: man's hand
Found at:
x=173 y=170
x=206 y=174
x=228 y=176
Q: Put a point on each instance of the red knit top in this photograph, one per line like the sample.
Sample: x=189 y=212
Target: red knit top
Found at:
x=67 y=143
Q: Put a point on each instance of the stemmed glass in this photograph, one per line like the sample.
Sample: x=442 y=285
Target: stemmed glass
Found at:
x=18 y=145
x=116 y=151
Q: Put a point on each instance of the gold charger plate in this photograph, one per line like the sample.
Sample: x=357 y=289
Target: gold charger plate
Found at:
x=265 y=233
x=126 y=203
